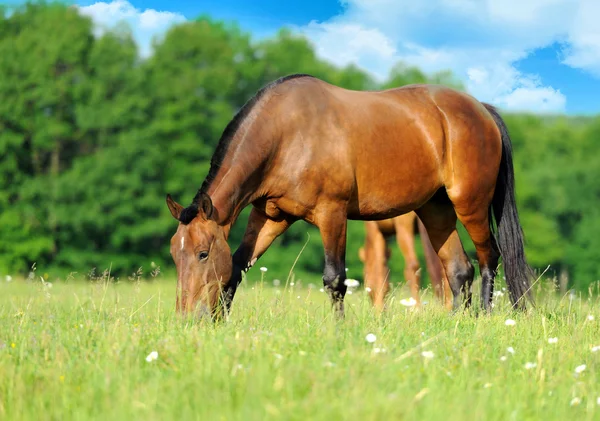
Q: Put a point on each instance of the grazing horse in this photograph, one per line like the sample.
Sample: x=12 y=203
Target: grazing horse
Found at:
x=375 y=255
x=303 y=149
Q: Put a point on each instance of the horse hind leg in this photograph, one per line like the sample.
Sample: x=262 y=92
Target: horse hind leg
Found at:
x=405 y=236
x=476 y=222
x=375 y=255
x=439 y=281
x=439 y=218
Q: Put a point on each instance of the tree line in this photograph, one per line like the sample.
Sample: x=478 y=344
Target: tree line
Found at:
x=92 y=137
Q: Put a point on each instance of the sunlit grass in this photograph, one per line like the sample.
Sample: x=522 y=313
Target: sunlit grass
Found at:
x=105 y=351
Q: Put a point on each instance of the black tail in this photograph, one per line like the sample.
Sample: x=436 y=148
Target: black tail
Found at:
x=510 y=235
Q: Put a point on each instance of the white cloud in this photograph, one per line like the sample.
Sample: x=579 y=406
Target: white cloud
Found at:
x=145 y=24
x=479 y=40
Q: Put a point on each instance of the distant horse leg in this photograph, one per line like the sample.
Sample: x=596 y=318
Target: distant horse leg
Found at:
x=405 y=236
x=374 y=256
x=260 y=233
x=477 y=225
x=332 y=225
x=439 y=281
x=439 y=219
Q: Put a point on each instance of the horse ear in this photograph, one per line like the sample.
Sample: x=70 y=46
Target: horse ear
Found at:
x=174 y=207
x=206 y=205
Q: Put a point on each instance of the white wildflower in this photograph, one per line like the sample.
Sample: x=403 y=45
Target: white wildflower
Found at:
x=152 y=356
x=575 y=401
x=351 y=283
x=410 y=302
x=596 y=348
x=292 y=284
x=321 y=290
x=510 y=322
x=427 y=355
x=503 y=358
x=263 y=269
x=510 y=350
x=529 y=366
x=552 y=340
x=8 y=278
x=368 y=289
x=371 y=338
x=349 y=292
x=487 y=385
x=276 y=282
x=590 y=317
x=598 y=401
x=498 y=293
x=580 y=368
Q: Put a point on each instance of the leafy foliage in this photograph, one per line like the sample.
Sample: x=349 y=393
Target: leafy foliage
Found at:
x=92 y=137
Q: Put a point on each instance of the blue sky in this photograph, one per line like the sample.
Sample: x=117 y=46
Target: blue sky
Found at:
x=533 y=55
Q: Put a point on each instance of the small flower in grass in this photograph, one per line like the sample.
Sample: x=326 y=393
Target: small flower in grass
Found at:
x=278 y=356
x=503 y=358
x=321 y=290
x=580 y=368
x=498 y=293
x=596 y=348
x=263 y=269
x=427 y=355
x=410 y=302
x=552 y=340
x=598 y=401
x=510 y=322
x=351 y=283
x=368 y=289
x=13 y=345
x=276 y=282
x=292 y=284
x=590 y=317
x=575 y=401
x=510 y=350
x=8 y=278
x=487 y=385
x=346 y=269
x=529 y=366
x=153 y=356
x=302 y=353
x=349 y=292
x=371 y=338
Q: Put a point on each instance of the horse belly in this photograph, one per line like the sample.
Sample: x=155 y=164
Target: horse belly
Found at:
x=389 y=188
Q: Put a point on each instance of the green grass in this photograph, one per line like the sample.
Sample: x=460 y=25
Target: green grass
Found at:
x=78 y=351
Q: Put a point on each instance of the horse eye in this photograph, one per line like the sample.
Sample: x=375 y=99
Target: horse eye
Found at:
x=202 y=255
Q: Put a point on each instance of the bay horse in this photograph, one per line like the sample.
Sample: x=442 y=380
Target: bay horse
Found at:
x=303 y=149
x=375 y=255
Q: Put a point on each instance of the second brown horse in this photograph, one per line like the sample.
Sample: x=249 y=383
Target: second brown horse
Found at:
x=376 y=253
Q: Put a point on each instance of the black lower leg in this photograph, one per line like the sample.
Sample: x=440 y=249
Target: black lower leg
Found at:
x=460 y=279
x=488 y=274
x=334 y=277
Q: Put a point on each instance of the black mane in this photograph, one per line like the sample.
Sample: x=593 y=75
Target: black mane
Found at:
x=189 y=213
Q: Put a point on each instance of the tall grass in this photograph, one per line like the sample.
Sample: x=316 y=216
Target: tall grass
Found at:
x=80 y=351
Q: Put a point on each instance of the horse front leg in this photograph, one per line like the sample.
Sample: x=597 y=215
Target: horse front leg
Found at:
x=332 y=225
x=260 y=233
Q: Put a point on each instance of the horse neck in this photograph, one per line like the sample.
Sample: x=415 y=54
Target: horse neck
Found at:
x=238 y=180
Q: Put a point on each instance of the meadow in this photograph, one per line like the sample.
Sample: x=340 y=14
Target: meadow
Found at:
x=99 y=350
